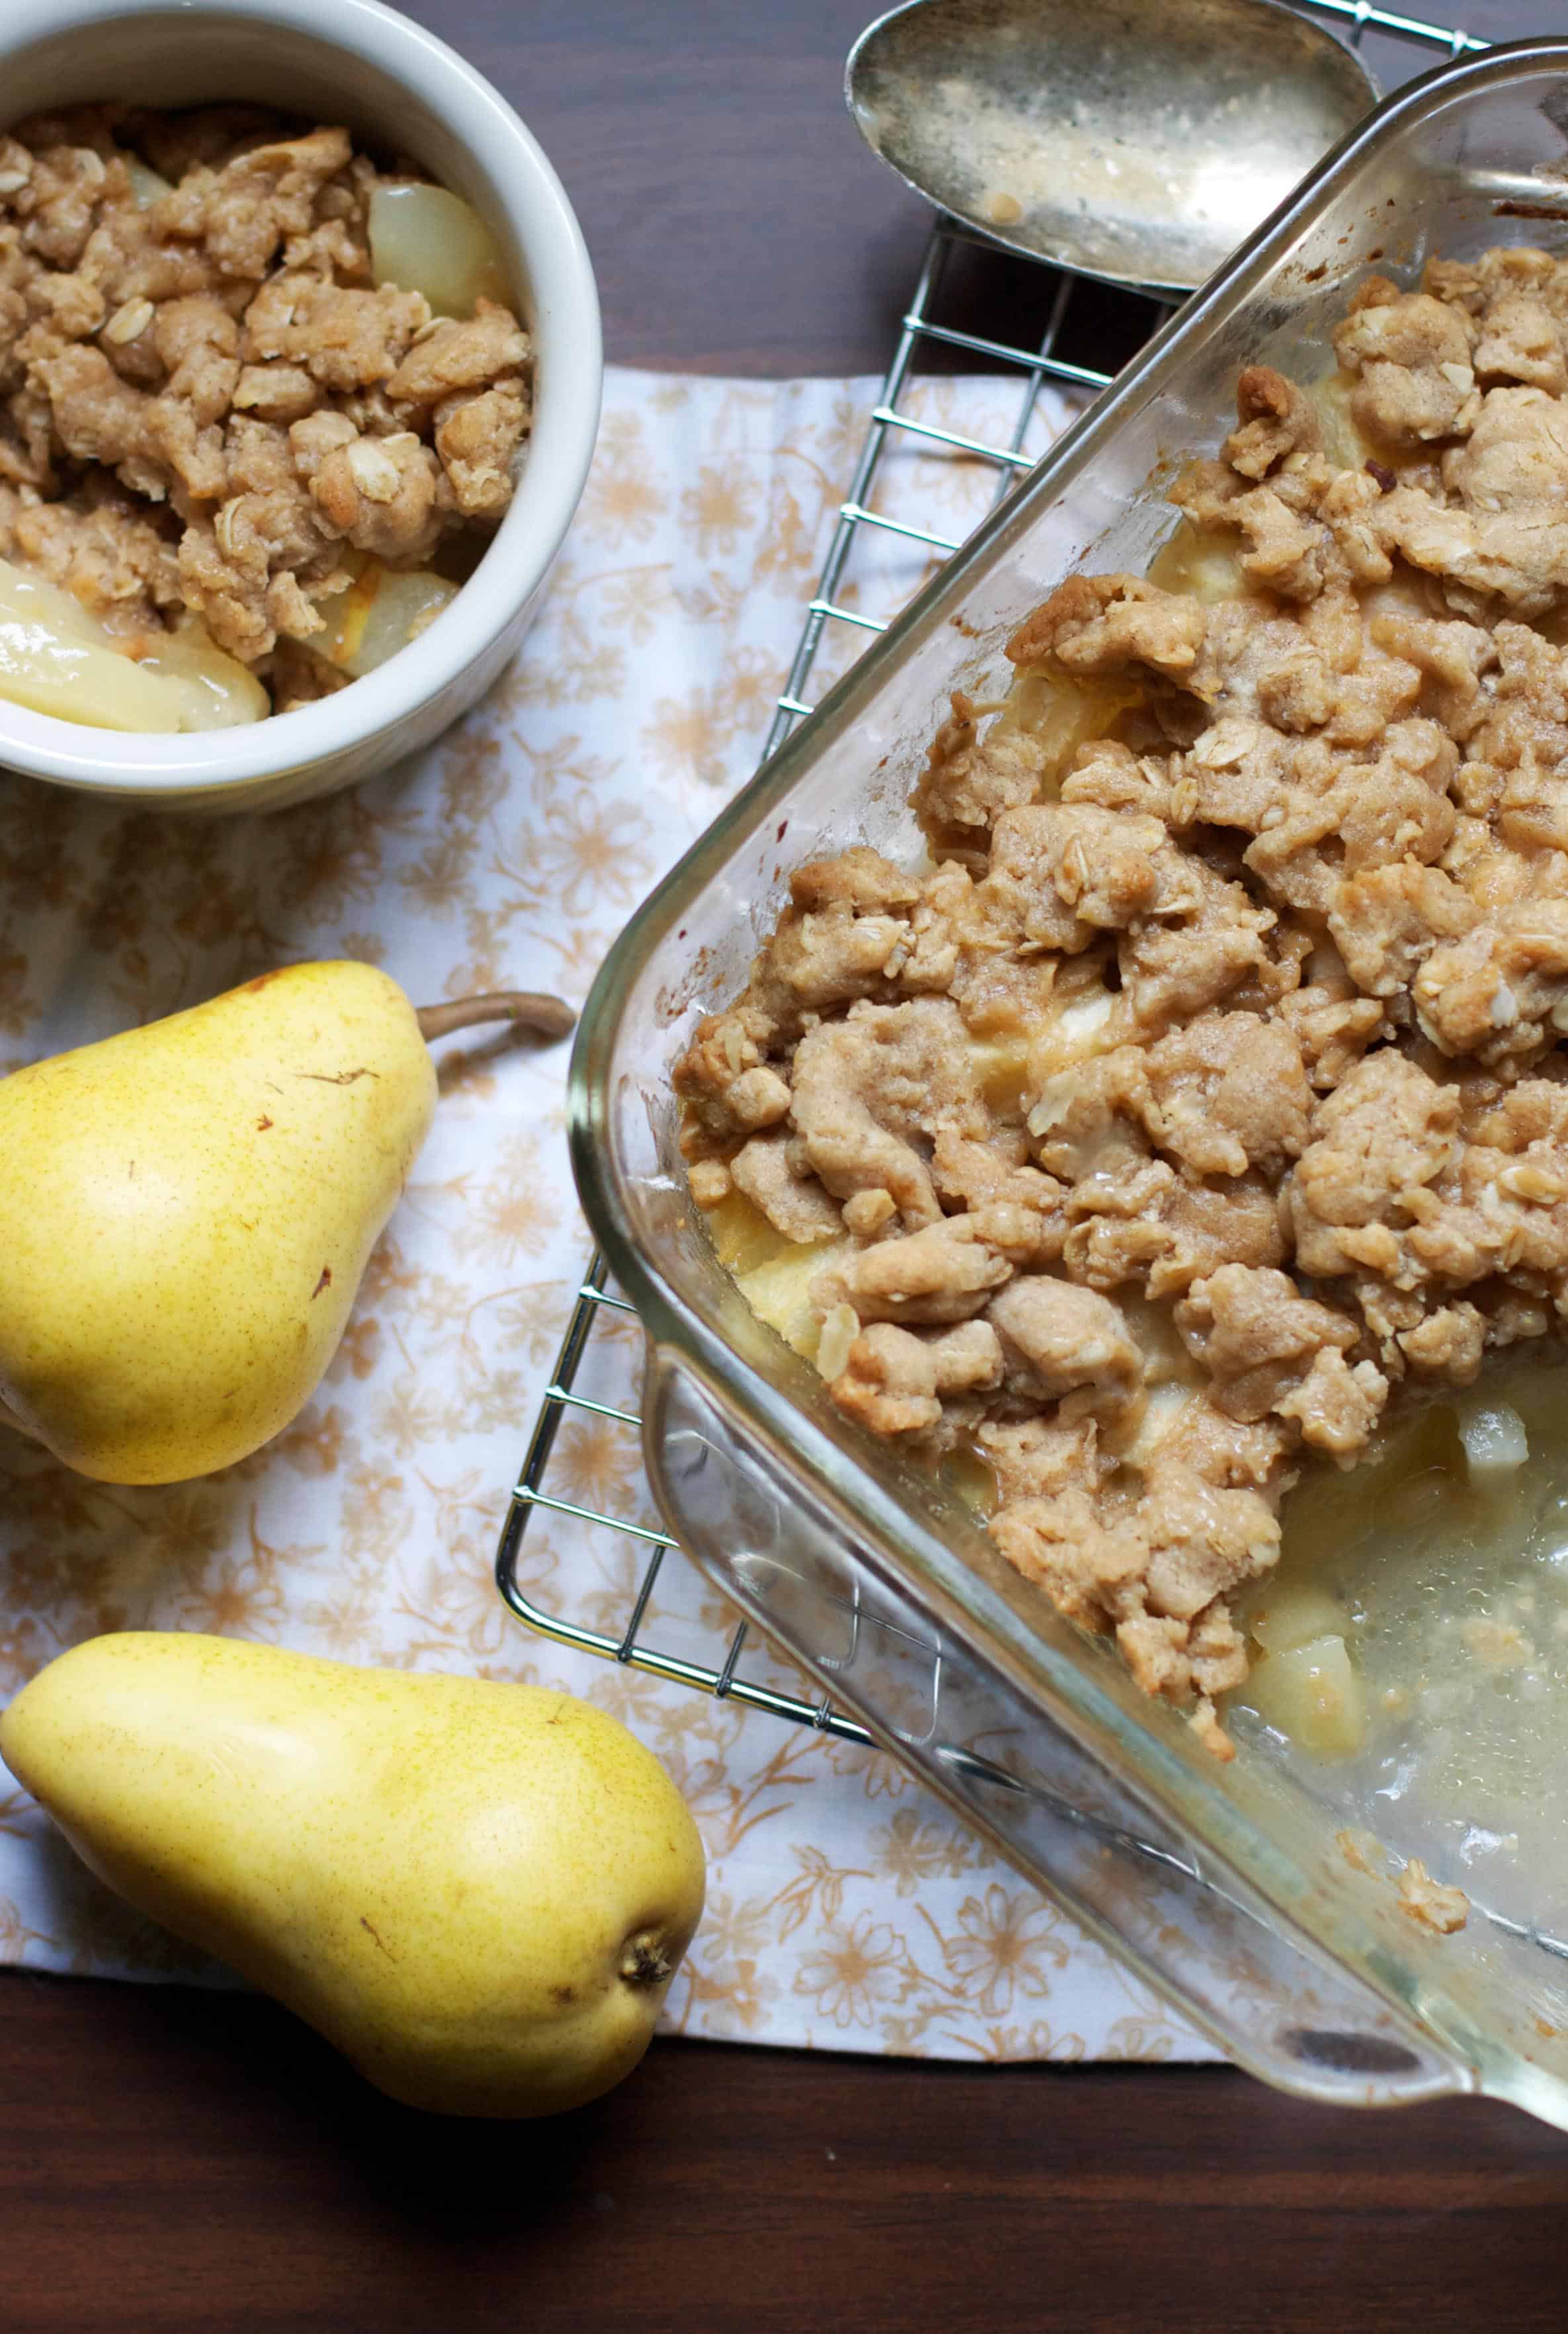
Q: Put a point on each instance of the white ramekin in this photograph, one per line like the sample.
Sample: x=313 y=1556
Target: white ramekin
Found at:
x=356 y=62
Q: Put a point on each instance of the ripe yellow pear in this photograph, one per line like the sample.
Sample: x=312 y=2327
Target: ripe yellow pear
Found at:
x=479 y=1893
x=186 y=1211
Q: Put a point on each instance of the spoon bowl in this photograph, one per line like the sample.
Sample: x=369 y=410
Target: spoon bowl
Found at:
x=1134 y=140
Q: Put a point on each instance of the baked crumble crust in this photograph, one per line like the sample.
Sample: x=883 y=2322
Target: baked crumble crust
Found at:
x=1208 y=1091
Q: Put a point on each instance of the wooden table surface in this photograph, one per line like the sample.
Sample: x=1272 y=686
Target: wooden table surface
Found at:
x=175 y=2160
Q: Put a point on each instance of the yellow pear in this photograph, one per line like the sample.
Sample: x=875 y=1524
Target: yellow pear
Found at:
x=478 y=1892
x=186 y=1211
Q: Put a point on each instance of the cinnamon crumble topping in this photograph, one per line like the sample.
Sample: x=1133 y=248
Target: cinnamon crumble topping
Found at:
x=210 y=408
x=1208 y=1090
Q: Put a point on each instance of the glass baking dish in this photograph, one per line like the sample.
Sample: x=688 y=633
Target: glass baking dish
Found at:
x=1226 y=1888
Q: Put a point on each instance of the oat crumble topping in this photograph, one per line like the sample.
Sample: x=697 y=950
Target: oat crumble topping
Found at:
x=1432 y=1901
x=1207 y=1089
x=208 y=404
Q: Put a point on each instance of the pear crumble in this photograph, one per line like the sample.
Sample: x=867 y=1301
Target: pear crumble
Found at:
x=247 y=377
x=1205 y=1091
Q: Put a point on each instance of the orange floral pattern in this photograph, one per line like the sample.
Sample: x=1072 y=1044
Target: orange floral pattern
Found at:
x=846 y=1908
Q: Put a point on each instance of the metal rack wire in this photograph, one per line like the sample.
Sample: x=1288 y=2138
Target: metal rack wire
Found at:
x=929 y=324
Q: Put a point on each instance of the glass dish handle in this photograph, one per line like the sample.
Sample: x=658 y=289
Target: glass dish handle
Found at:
x=1054 y=1810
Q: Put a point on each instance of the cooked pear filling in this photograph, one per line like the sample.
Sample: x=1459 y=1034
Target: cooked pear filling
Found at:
x=1200 y=1105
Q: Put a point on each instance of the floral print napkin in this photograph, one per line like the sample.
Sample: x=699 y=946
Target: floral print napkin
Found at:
x=846 y=1909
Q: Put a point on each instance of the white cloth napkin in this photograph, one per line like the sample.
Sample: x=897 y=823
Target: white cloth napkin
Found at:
x=846 y=1909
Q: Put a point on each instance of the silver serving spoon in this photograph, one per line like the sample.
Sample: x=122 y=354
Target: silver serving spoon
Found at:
x=1138 y=140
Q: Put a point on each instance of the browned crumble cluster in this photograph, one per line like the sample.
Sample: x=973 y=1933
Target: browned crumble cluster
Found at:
x=205 y=397
x=1297 y=854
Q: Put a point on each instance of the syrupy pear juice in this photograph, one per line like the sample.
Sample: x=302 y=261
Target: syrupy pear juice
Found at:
x=1413 y=1658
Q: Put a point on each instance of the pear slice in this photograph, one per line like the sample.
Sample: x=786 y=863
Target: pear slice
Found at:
x=424 y=238
x=55 y=658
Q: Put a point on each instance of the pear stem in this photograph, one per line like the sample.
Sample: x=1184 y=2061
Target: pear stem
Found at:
x=525 y=1008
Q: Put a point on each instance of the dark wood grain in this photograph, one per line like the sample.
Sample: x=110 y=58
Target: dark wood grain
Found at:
x=736 y=221
x=736 y=224
x=172 y=2160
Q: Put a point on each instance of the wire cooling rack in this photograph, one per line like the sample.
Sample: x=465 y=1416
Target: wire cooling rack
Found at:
x=1081 y=317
